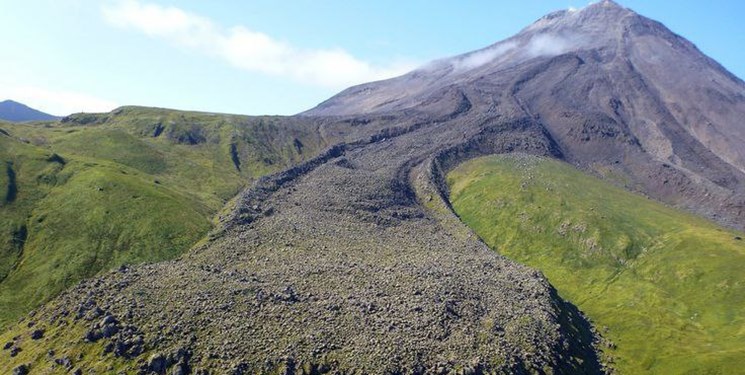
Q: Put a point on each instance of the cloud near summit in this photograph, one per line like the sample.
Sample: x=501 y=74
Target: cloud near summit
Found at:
x=247 y=49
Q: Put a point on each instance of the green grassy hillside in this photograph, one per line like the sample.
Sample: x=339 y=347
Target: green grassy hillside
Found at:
x=95 y=191
x=667 y=288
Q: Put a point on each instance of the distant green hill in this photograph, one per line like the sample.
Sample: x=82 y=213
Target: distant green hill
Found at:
x=667 y=288
x=96 y=191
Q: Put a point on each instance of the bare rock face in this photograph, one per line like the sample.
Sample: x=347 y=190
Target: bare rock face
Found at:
x=353 y=261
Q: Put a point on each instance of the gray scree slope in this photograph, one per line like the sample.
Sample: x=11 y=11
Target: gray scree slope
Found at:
x=620 y=95
x=353 y=261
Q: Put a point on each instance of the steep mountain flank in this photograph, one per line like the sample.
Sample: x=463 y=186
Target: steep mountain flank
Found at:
x=621 y=95
x=352 y=261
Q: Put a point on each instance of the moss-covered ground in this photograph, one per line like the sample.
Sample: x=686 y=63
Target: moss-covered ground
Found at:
x=95 y=191
x=666 y=287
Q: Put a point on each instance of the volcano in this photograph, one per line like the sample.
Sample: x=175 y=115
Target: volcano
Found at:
x=354 y=260
x=611 y=89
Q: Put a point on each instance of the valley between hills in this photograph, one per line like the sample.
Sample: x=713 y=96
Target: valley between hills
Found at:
x=543 y=211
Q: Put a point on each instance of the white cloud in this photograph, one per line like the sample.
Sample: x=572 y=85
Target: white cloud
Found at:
x=247 y=49
x=479 y=58
x=549 y=45
x=55 y=102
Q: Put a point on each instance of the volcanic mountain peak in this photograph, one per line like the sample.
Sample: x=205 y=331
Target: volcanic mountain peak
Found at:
x=605 y=61
x=600 y=26
x=597 y=26
x=598 y=17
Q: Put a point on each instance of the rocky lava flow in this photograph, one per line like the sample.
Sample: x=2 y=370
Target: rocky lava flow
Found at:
x=353 y=261
x=337 y=265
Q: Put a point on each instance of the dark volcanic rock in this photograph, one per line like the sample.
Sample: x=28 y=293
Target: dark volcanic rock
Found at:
x=14 y=351
x=64 y=362
x=37 y=334
x=157 y=364
x=21 y=370
x=353 y=261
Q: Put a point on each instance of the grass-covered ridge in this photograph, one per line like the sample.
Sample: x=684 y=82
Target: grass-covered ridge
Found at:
x=666 y=287
x=95 y=191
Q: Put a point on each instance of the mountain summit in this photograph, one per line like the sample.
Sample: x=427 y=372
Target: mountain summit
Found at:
x=597 y=27
x=607 y=85
x=354 y=262
x=17 y=112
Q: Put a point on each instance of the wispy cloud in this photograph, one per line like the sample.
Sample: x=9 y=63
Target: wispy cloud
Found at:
x=551 y=45
x=56 y=102
x=515 y=52
x=484 y=56
x=248 y=49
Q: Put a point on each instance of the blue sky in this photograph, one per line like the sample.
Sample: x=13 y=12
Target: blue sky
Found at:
x=271 y=57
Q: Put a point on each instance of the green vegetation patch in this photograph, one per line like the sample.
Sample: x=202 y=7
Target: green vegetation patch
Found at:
x=99 y=219
x=95 y=191
x=666 y=287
